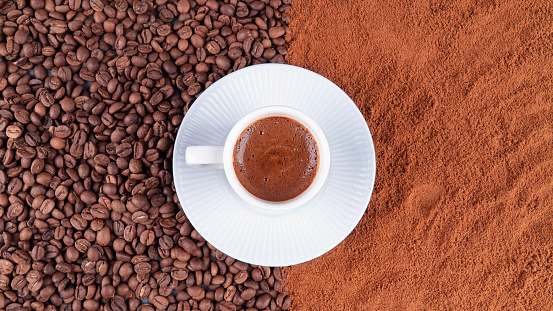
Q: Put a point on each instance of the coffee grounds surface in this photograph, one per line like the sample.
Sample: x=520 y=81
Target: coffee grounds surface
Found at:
x=276 y=159
x=458 y=96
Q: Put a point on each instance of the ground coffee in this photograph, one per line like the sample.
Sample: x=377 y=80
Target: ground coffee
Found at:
x=458 y=98
x=276 y=159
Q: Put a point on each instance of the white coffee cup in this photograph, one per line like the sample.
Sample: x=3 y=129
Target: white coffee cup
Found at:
x=221 y=157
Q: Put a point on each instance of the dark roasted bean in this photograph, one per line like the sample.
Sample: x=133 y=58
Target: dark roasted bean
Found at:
x=88 y=214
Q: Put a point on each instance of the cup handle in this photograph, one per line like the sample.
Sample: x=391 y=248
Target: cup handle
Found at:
x=210 y=157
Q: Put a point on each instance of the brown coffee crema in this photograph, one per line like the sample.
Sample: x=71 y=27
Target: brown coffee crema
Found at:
x=276 y=159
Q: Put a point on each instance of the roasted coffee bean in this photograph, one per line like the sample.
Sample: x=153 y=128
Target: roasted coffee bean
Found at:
x=227 y=306
x=62 y=131
x=63 y=267
x=58 y=27
x=32 y=139
x=38 y=252
x=103 y=237
x=142 y=268
x=179 y=274
x=57 y=143
x=124 y=150
x=257 y=49
x=229 y=293
x=90 y=120
x=241 y=277
x=109 y=189
x=46 y=293
x=103 y=77
x=90 y=150
x=64 y=73
x=129 y=233
x=147 y=237
x=101 y=159
x=213 y=47
x=20 y=256
x=13 y=131
x=206 y=305
x=6 y=266
x=89 y=197
x=160 y=302
x=140 y=217
x=82 y=245
x=22 y=116
x=26 y=152
x=165 y=242
x=118 y=304
x=248 y=294
x=276 y=32
x=47 y=206
x=4 y=280
x=78 y=222
x=263 y=301
x=279 y=274
x=265 y=272
x=256 y=275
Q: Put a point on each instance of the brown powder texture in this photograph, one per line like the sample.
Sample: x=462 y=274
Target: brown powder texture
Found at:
x=458 y=96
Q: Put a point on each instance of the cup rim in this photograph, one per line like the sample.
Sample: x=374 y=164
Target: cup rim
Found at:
x=283 y=111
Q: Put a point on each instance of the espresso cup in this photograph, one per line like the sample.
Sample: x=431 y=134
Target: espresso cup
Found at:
x=222 y=157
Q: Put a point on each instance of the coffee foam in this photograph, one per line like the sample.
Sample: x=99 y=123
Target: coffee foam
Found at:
x=276 y=158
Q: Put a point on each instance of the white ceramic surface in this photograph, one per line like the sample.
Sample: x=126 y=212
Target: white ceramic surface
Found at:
x=221 y=157
x=268 y=237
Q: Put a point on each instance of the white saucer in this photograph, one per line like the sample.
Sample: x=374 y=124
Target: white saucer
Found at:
x=276 y=238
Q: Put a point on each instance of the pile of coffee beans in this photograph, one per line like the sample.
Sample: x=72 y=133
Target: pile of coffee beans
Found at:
x=92 y=93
